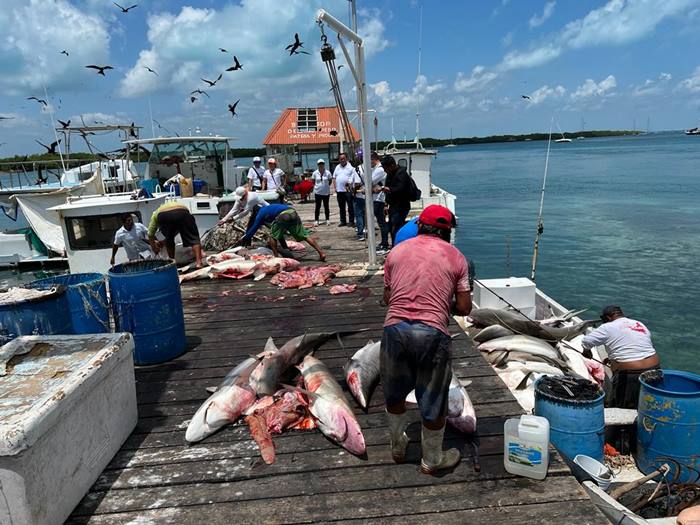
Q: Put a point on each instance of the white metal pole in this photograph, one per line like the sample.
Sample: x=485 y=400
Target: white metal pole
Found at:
x=343 y=30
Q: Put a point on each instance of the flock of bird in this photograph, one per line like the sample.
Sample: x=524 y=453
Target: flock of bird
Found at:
x=295 y=48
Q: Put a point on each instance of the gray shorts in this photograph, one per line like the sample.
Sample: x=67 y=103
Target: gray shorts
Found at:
x=416 y=356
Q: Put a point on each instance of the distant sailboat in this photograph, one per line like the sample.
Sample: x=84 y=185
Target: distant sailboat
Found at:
x=450 y=145
x=563 y=137
x=583 y=128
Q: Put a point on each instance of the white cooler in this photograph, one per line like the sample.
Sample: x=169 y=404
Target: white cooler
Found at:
x=67 y=404
x=518 y=291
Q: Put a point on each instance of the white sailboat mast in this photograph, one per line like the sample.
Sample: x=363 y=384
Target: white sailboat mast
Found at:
x=420 y=50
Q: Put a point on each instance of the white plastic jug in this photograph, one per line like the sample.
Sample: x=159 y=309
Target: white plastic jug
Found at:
x=526 y=446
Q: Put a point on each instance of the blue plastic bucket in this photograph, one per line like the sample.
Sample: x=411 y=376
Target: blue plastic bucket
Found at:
x=86 y=294
x=575 y=426
x=146 y=301
x=668 y=424
x=46 y=315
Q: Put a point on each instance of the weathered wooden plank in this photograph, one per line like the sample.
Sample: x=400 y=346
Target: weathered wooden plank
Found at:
x=577 y=512
x=293 y=442
x=487 y=426
x=371 y=504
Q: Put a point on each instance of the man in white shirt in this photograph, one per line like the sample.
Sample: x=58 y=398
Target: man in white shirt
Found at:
x=133 y=236
x=378 y=179
x=246 y=202
x=273 y=178
x=322 y=190
x=630 y=351
x=342 y=177
x=255 y=175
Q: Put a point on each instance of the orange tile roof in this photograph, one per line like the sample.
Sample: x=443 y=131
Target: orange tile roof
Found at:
x=285 y=131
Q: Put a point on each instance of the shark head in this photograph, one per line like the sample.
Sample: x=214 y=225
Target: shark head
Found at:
x=223 y=407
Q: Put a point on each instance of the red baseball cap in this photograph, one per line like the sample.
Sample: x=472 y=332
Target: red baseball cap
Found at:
x=437 y=216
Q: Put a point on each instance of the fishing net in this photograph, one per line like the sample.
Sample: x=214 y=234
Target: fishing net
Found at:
x=568 y=388
x=227 y=236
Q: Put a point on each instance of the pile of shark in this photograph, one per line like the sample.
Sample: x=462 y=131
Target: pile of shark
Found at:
x=522 y=350
x=287 y=388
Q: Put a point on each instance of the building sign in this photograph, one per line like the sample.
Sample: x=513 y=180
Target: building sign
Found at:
x=322 y=133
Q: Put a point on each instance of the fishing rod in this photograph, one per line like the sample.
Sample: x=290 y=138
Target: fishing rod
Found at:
x=565 y=343
x=540 y=224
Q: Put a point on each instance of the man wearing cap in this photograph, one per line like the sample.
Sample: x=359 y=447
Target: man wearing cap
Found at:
x=246 y=202
x=274 y=178
x=281 y=219
x=322 y=190
x=630 y=352
x=256 y=175
x=342 y=177
x=398 y=193
x=425 y=279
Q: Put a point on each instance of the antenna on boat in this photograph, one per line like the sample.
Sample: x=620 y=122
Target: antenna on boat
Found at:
x=55 y=133
x=420 y=50
x=540 y=224
x=150 y=112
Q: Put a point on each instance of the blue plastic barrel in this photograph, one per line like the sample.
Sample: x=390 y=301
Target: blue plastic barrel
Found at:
x=198 y=185
x=86 y=294
x=46 y=315
x=575 y=426
x=146 y=301
x=668 y=423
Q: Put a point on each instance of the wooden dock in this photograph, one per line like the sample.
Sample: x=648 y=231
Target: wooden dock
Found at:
x=157 y=478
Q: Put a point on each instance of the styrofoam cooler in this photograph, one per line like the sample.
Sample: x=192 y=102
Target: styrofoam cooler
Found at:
x=67 y=404
x=518 y=291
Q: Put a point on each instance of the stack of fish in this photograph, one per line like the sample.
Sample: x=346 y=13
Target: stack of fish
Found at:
x=362 y=373
x=521 y=350
x=239 y=263
x=256 y=389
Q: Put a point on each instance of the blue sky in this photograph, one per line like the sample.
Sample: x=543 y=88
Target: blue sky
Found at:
x=610 y=63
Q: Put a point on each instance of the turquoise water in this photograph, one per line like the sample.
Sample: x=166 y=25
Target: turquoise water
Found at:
x=621 y=225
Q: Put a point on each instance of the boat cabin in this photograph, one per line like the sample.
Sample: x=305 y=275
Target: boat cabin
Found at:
x=89 y=224
x=198 y=157
x=418 y=162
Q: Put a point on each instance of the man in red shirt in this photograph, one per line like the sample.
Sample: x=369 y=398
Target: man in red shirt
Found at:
x=425 y=278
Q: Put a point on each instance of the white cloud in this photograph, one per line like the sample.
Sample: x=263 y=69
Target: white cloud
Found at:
x=652 y=86
x=34 y=34
x=527 y=59
x=692 y=83
x=183 y=47
x=545 y=92
x=590 y=88
x=98 y=118
x=617 y=22
x=507 y=40
x=390 y=101
x=497 y=10
x=477 y=80
x=547 y=12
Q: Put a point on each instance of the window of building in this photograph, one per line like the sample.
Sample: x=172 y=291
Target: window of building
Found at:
x=95 y=232
x=306 y=119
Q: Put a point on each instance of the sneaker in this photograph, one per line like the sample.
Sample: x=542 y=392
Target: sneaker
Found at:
x=328 y=223
x=362 y=238
x=340 y=224
x=315 y=223
x=382 y=251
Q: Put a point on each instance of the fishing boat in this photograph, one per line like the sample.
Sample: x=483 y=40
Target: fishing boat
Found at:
x=418 y=161
x=692 y=131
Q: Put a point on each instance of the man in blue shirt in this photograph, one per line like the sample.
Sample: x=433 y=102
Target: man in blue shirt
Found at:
x=407 y=231
x=281 y=219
